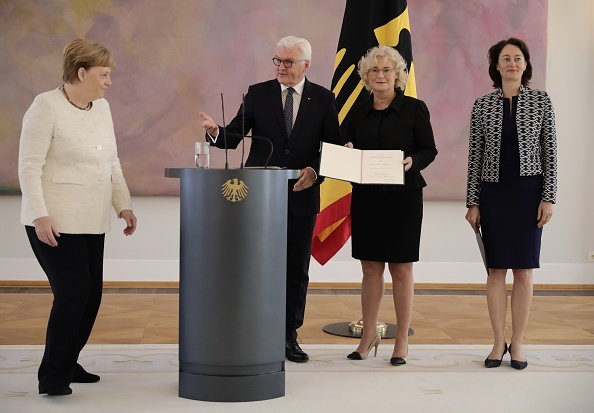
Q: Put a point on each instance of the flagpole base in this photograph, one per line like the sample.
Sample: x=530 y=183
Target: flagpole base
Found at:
x=346 y=329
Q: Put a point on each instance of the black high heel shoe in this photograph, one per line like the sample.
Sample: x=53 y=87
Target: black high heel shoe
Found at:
x=517 y=364
x=362 y=356
x=490 y=363
x=399 y=361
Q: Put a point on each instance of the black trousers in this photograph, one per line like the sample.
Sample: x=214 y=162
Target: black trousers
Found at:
x=299 y=234
x=75 y=272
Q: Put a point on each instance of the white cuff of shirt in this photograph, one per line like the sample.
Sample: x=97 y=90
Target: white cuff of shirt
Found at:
x=314 y=171
x=214 y=139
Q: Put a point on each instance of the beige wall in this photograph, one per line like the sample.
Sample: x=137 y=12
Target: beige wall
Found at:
x=448 y=251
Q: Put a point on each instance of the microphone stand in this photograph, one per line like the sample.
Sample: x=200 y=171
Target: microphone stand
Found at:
x=224 y=132
x=243 y=129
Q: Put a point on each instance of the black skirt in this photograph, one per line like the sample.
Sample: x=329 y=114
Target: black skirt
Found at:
x=386 y=226
x=508 y=222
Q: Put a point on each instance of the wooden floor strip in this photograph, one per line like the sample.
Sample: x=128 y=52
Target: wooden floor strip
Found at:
x=142 y=316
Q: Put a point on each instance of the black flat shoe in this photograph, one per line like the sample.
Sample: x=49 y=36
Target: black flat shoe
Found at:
x=294 y=353
x=83 y=376
x=517 y=364
x=58 y=391
x=491 y=363
x=397 y=361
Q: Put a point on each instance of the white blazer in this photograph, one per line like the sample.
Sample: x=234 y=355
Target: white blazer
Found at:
x=68 y=166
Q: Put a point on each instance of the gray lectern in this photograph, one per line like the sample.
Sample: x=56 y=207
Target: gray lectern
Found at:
x=232 y=283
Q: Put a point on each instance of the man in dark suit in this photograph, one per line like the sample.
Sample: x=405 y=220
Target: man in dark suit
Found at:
x=296 y=115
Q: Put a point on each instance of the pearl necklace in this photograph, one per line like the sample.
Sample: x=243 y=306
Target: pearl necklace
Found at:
x=88 y=107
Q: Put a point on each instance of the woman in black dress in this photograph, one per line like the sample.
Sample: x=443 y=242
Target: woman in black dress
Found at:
x=386 y=219
x=512 y=185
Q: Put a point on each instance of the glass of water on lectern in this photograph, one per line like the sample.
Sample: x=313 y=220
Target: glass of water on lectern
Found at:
x=202 y=154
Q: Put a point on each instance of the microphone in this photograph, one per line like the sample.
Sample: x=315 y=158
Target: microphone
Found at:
x=243 y=130
x=242 y=135
x=237 y=135
x=271 y=148
x=224 y=132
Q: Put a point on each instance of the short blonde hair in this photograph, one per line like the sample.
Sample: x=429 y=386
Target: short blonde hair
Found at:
x=370 y=60
x=86 y=54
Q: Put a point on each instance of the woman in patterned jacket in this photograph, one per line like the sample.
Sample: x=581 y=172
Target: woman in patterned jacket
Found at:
x=511 y=189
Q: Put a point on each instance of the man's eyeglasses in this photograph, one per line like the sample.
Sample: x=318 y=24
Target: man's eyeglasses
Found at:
x=286 y=63
x=387 y=71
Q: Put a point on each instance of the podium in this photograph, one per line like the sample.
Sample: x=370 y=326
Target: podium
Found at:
x=233 y=237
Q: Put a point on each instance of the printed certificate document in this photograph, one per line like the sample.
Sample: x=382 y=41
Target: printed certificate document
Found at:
x=362 y=167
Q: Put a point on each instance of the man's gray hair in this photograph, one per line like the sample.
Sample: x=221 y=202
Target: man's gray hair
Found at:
x=293 y=42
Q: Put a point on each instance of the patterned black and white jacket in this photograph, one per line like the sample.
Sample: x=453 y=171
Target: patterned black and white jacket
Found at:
x=535 y=120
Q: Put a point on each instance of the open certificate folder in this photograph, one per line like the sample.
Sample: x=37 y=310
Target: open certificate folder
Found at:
x=362 y=167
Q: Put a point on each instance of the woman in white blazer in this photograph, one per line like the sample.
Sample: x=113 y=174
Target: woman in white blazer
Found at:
x=70 y=176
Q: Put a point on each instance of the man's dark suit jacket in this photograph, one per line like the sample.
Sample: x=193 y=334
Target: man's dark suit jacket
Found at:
x=317 y=121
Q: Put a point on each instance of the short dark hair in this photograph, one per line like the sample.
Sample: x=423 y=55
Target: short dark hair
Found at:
x=493 y=56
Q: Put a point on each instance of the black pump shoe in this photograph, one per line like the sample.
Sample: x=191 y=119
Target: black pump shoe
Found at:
x=490 y=363
x=517 y=364
x=355 y=355
x=397 y=361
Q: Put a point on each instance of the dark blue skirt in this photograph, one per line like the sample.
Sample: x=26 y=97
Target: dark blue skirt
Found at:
x=508 y=223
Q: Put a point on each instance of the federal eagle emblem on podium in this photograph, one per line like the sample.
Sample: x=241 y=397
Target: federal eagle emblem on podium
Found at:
x=234 y=190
